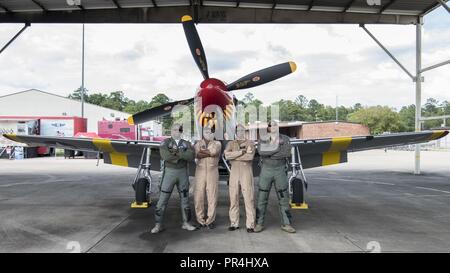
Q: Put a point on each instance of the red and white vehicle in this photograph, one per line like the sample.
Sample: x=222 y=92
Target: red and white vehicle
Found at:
x=56 y=126
x=121 y=130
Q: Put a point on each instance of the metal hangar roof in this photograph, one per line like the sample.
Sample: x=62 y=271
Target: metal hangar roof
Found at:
x=248 y=11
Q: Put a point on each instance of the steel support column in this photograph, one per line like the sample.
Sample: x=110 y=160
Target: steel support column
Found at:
x=82 y=75
x=417 y=79
x=418 y=91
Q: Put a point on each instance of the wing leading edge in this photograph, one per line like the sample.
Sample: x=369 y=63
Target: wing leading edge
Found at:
x=323 y=152
x=116 y=152
x=314 y=152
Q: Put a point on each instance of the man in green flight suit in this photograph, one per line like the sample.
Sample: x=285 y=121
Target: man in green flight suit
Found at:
x=274 y=149
x=176 y=152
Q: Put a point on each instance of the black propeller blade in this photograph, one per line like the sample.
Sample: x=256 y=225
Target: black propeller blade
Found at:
x=195 y=45
x=263 y=76
x=157 y=111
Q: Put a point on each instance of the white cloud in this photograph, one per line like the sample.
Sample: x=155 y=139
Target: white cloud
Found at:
x=143 y=60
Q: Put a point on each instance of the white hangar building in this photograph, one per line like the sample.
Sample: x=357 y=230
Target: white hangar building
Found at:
x=35 y=102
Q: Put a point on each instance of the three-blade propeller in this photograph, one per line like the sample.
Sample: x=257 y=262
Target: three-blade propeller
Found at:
x=198 y=53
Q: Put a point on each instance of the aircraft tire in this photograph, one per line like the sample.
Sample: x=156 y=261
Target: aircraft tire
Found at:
x=141 y=190
x=297 y=191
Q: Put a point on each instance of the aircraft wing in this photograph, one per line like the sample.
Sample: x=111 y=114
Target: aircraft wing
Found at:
x=116 y=152
x=314 y=152
x=323 y=152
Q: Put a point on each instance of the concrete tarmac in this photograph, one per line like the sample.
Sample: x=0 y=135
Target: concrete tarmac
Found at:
x=372 y=203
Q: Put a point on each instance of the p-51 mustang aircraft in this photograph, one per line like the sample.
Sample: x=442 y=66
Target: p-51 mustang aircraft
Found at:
x=144 y=155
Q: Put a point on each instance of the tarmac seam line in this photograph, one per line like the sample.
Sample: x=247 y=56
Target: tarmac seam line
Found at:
x=355 y=181
x=431 y=189
x=108 y=233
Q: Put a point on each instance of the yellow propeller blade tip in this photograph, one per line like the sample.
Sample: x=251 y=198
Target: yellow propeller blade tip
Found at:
x=293 y=66
x=130 y=120
x=186 y=18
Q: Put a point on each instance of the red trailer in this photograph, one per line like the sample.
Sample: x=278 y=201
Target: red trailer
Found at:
x=120 y=129
x=60 y=126
x=116 y=129
x=44 y=126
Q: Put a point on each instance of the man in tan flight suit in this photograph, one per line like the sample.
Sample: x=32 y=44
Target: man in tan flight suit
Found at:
x=240 y=153
x=207 y=153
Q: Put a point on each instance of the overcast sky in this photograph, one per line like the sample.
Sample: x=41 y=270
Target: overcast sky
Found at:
x=143 y=60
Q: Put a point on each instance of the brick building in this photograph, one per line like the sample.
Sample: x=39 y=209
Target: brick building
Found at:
x=331 y=129
x=316 y=130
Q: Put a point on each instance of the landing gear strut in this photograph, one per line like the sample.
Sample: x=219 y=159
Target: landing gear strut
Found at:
x=142 y=183
x=297 y=182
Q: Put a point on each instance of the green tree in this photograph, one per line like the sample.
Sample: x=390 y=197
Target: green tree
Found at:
x=159 y=99
x=379 y=119
x=249 y=99
x=343 y=112
x=116 y=100
x=290 y=111
x=407 y=117
x=357 y=107
x=97 y=98
x=302 y=101
x=446 y=111
x=432 y=108
x=133 y=107
x=76 y=95
x=314 y=110
x=327 y=113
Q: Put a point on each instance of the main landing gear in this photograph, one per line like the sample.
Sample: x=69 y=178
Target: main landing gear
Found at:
x=142 y=184
x=297 y=182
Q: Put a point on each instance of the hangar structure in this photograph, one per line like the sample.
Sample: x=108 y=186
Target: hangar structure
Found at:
x=362 y=12
x=222 y=11
x=40 y=103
